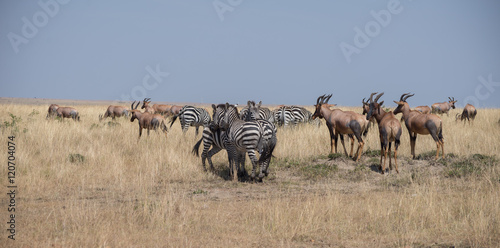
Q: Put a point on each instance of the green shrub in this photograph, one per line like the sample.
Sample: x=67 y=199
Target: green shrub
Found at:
x=317 y=171
x=76 y=158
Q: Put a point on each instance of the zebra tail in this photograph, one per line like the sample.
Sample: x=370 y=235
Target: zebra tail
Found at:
x=173 y=120
x=196 y=148
x=267 y=149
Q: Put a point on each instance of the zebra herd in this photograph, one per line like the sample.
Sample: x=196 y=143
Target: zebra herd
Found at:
x=251 y=130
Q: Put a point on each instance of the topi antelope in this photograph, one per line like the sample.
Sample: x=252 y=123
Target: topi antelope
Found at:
x=175 y=109
x=63 y=112
x=423 y=109
x=113 y=112
x=468 y=113
x=366 y=108
x=418 y=123
x=342 y=122
x=156 y=108
x=147 y=120
x=389 y=129
x=52 y=111
x=443 y=107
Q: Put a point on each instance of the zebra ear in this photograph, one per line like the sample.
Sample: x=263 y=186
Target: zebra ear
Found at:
x=260 y=103
x=249 y=104
x=214 y=107
x=227 y=105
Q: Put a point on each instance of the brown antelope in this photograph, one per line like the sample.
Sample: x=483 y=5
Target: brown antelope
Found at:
x=366 y=108
x=147 y=120
x=175 y=109
x=63 y=112
x=443 y=107
x=113 y=112
x=418 y=123
x=468 y=113
x=423 y=109
x=156 y=108
x=389 y=129
x=342 y=122
x=52 y=111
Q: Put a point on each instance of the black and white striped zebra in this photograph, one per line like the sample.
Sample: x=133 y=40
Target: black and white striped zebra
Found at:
x=246 y=136
x=284 y=116
x=192 y=116
x=292 y=115
x=213 y=137
x=262 y=112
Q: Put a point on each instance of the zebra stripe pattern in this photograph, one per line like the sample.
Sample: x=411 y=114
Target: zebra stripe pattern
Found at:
x=192 y=116
x=292 y=115
x=215 y=138
x=254 y=111
x=251 y=137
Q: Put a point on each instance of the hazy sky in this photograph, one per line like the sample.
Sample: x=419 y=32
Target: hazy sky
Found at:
x=280 y=52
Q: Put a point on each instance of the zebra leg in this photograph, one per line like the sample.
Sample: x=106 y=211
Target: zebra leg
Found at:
x=233 y=162
x=212 y=152
x=242 y=172
x=253 y=159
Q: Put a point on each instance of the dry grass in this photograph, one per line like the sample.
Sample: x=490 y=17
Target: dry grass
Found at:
x=91 y=184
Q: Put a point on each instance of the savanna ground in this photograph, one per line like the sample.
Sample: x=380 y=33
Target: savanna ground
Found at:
x=91 y=184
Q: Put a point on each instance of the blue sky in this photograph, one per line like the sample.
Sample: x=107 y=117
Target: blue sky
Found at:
x=280 y=52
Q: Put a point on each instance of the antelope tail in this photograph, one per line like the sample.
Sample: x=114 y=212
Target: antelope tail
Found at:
x=163 y=126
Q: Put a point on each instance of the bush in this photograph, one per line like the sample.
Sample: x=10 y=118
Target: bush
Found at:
x=76 y=158
x=473 y=165
x=317 y=171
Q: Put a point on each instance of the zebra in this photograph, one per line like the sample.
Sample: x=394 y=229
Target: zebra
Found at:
x=284 y=116
x=262 y=112
x=246 y=136
x=292 y=115
x=216 y=138
x=192 y=116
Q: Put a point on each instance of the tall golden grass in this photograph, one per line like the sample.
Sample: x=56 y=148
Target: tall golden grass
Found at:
x=91 y=184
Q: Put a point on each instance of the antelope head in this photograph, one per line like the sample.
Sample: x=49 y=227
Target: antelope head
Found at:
x=145 y=103
x=402 y=104
x=452 y=102
x=134 y=111
x=319 y=103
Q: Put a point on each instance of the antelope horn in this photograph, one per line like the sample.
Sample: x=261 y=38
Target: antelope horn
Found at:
x=132 y=106
x=378 y=97
x=371 y=96
x=402 y=96
x=363 y=101
x=408 y=96
x=328 y=98
x=320 y=98
x=137 y=105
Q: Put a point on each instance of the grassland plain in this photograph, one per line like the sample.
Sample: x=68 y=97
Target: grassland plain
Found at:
x=91 y=184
